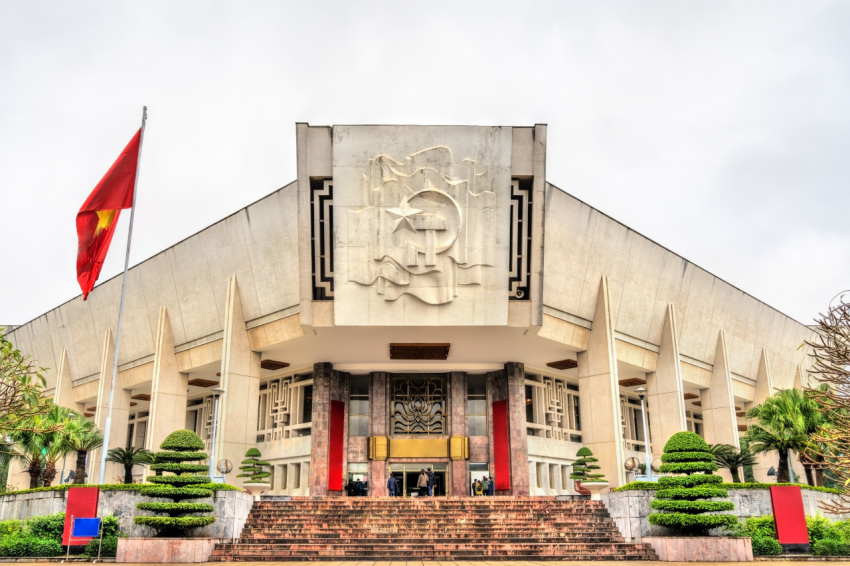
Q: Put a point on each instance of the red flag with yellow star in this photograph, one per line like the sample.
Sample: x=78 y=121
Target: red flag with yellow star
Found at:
x=98 y=216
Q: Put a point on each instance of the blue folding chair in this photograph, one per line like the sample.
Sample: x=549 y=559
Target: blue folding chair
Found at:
x=86 y=528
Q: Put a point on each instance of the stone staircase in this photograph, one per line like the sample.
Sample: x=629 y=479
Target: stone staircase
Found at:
x=444 y=529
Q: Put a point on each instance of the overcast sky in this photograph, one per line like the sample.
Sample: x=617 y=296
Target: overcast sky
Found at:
x=721 y=130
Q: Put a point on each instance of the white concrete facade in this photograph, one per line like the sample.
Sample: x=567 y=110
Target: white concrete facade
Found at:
x=415 y=234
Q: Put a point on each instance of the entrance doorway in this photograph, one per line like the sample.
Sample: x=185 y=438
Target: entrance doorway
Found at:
x=477 y=472
x=407 y=475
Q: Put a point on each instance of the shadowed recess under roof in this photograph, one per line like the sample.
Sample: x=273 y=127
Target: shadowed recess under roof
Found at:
x=563 y=364
x=415 y=351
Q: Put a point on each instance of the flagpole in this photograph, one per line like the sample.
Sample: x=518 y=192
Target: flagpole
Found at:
x=108 y=425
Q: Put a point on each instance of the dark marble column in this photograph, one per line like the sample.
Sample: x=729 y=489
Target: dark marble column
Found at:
x=457 y=423
x=340 y=387
x=496 y=391
x=515 y=374
x=378 y=418
x=322 y=377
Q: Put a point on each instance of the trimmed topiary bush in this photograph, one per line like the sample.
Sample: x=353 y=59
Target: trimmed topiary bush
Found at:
x=586 y=463
x=252 y=467
x=179 y=482
x=682 y=499
x=765 y=546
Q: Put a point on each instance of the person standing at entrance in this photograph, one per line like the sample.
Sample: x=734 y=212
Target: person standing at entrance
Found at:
x=492 y=487
x=391 y=486
x=477 y=487
x=422 y=483
x=430 y=482
x=485 y=486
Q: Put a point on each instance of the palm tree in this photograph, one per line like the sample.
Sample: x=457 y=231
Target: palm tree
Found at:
x=53 y=446
x=727 y=456
x=129 y=457
x=82 y=436
x=785 y=421
x=27 y=447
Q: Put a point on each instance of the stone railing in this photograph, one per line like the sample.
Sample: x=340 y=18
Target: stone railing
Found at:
x=231 y=510
x=630 y=509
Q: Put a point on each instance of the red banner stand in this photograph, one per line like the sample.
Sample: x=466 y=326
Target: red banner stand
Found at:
x=336 y=437
x=80 y=503
x=501 y=446
x=790 y=518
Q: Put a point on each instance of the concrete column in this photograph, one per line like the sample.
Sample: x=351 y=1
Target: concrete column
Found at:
x=64 y=394
x=168 y=388
x=240 y=379
x=515 y=380
x=718 y=404
x=665 y=395
x=458 y=427
x=801 y=378
x=378 y=416
x=322 y=375
x=497 y=390
x=538 y=198
x=600 y=394
x=764 y=389
x=120 y=414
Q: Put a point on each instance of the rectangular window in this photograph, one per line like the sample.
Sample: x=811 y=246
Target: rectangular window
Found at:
x=576 y=412
x=296 y=476
x=539 y=470
x=553 y=474
x=283 y=470
x=565 y=476
x=529 y=404
x=307 y=406
x=129 y=435
x=476 y=405
x=358 y=406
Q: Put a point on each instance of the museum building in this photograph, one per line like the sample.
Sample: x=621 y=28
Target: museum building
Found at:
x=421 y=296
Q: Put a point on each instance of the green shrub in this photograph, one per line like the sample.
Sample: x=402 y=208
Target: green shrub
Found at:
x=831 y=547
x=761 y=526
x=10 y=527
x=253 y=468
x=28 y=546
x=46 y=526
x=586 y=463
x=179 y=446
x=765 y=546
x=682 y=500
x=107 y=550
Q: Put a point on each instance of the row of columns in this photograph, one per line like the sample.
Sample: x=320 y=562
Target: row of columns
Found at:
x=240 y=378
x=599 y=385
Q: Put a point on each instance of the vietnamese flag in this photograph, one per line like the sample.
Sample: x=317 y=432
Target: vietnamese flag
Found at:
x=98 y=216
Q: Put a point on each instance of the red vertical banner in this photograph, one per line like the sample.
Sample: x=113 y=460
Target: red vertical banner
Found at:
x=501 y=446
x=336 y=437
x=80 y=503
x=790 y=517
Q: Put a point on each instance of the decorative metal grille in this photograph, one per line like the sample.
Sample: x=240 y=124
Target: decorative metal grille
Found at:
x=520 y=266
x=419 y=404
x=321 y=232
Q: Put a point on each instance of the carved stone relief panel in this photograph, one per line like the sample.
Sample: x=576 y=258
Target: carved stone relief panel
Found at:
x=423 y=225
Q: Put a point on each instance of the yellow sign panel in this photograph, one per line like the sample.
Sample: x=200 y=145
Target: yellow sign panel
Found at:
x=378 y=447
x=459 y=448
x=419 y=448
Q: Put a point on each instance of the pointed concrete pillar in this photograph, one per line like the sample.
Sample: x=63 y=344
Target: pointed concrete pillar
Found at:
x=764 y=389
x=801 y=378
x=240 y=379
x=168 y=387
x=64 y=394
x=665 y=396
x=718 y=404
x=600 y=394
x=120 y=414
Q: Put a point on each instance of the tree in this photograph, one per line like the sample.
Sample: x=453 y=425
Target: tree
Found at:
x=681 y=499
x=727 y=456
x=21 y=389
x=81 y=436
x=37 y=443
x=830 y=353
x=178 y=447
x=586 y=463
x=252 y=467
x=129 y=457
x=786 y=419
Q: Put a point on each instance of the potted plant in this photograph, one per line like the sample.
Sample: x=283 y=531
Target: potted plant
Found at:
x=592 y=482
x=253 y=469
x=179 y=485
